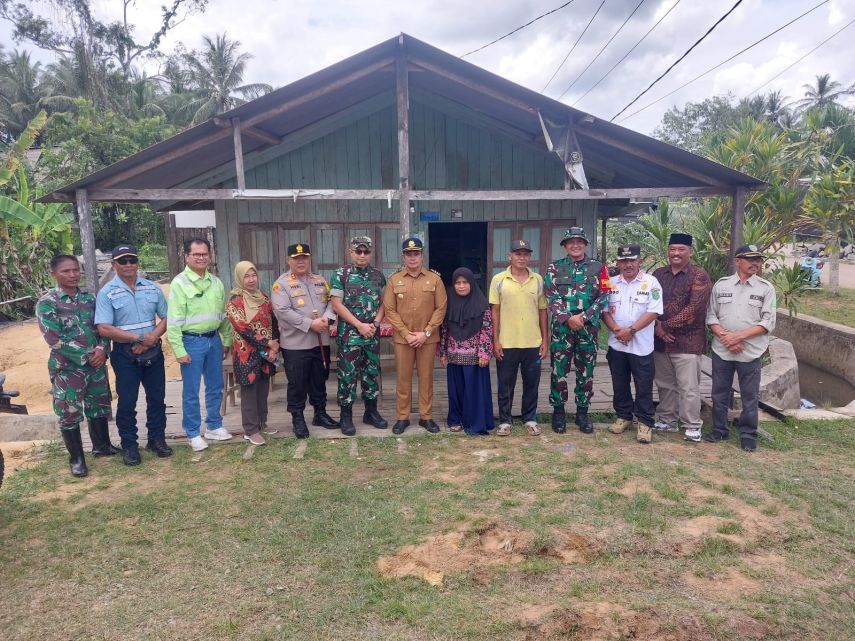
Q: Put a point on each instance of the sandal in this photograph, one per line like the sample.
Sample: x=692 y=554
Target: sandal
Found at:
x=533 y=428
x=455 y=428
x=504 y=429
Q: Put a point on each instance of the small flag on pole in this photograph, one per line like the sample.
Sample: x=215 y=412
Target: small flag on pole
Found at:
x=606 y=284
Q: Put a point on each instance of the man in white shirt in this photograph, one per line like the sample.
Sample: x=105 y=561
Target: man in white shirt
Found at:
x=634 y=304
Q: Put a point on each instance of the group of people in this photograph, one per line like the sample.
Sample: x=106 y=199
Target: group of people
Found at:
x=657 y=326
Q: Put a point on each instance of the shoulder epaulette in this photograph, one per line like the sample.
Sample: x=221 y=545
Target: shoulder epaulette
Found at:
x=435 y=272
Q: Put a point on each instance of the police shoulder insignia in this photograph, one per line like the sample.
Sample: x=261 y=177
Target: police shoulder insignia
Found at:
x=436 y=272
x=276 y=287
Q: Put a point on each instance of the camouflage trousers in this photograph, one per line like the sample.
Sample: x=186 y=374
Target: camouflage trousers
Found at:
x=358 y=364
x=579 y=348
x=80 y=392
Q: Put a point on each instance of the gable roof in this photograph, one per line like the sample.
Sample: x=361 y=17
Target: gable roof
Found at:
x=631 y=159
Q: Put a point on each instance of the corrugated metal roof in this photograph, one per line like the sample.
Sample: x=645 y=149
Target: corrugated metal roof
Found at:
x=635 y=160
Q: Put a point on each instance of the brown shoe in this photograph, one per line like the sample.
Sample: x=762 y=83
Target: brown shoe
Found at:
x=644 y=433
x=620 y=425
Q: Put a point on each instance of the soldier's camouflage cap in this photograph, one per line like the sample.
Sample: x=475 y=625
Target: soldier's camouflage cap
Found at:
x=356 y=241
x=574 y=232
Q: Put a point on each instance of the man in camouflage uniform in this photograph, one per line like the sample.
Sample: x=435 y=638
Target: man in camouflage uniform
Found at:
x=66 y=316
x=356 y=292
x=576 y=300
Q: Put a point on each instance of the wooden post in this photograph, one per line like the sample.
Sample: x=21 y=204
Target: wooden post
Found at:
x=241 y=178
x=403 y=100
x=737 y=223
x=603 y=247
x=87 y=240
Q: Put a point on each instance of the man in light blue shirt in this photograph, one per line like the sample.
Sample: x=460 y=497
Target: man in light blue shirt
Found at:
x=131 y=311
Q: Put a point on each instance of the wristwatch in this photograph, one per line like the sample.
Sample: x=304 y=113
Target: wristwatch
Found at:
x=428 y=332
x=632 y=330
x=376 y=324
x=140 y=338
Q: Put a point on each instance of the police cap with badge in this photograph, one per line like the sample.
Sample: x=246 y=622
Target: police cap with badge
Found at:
x=299 y=249
x=748 y=251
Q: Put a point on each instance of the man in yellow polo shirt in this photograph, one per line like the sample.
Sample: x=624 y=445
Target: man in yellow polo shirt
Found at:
x=520 y=340
x=201 y=336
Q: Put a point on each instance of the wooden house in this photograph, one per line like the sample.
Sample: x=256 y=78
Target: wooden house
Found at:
x=403 y=139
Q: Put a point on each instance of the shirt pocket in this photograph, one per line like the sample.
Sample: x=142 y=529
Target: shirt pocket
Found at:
x=429 y=287
x=119 y=301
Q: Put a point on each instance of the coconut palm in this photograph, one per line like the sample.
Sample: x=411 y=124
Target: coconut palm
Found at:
x=22 y=92
x=825 y=92
x=216 y=74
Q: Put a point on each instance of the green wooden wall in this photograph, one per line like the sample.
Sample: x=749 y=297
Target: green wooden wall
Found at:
x=451 y=147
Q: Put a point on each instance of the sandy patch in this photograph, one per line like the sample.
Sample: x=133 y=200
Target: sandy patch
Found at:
x=472 y=550
x=19 y=455
x=637 y=486
x=23 y=358
x=728 y=585
x=609 y=622
x=79 y=493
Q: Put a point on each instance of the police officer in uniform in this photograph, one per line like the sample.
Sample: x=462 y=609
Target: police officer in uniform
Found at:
x=301 y=304
x=131 y=311
x=576 y=300
x=415 y=301
x=77 y=363
x=356 y=291
x=741 y=315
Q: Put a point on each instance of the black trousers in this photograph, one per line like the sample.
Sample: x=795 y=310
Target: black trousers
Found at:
x=307 y=377
x=640 y=369
x=749 y=391
x=527 y=361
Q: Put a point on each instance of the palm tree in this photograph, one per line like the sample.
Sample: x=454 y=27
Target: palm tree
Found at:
x=21 y=92
x=777 y=112
x=216 y=74
x=825 y=92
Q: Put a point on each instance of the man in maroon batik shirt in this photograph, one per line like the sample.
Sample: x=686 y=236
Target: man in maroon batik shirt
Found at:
x=680 y=339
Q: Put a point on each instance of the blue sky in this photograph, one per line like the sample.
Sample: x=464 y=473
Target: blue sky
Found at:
x=291 y=38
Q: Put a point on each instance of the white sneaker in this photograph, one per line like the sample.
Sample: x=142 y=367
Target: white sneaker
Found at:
x=219 y=434
x=693 y=435
x=198 y=444
x=662 y=426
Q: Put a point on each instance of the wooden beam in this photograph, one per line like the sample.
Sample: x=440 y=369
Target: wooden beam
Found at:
x=477 y=86
x=260 y=134
x=647 y=156
x=249 y=122
x=737 y=222
x=87 y=240
x=402 y=91
x=603 y=247
x=238 y=143
x=202 y=194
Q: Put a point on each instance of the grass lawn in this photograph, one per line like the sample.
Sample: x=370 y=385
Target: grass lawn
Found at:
x=440 y=537
x=837 y=309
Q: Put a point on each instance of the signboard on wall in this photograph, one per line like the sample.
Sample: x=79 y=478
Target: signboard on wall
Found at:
x=428 y=216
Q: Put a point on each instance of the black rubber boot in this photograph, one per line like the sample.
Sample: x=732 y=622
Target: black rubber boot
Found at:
x=400 y=426
x=582 y=420
x=347 y=426
x=99 y=432
x=74 y=445
x=322 y=419
x=559 y=420
x=301 y=430
x=372 y=416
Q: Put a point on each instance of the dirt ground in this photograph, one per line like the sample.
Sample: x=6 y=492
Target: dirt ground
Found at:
x=23 y=358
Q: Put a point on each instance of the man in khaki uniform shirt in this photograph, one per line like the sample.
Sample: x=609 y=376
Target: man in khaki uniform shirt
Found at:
x=415 y=302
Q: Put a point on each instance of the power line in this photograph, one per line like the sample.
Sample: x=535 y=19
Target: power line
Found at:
x=574 y=46
x=599 y=53
x=679 y=60
x=510 y=33
x=778 y=75
x=626 y=55
x=724 y=62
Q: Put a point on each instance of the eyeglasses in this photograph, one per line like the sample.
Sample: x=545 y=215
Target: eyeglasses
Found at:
x=362 y=252
x=198 y=255
x=128 y=260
